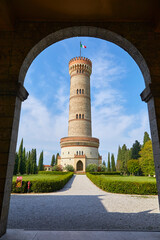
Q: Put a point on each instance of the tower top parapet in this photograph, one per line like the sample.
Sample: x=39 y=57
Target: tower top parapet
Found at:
x=80 y=60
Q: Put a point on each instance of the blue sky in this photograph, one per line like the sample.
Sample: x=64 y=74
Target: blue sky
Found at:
x=118 y=114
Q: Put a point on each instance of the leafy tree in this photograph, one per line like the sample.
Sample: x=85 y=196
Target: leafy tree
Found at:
x=102 y=168
x=53 y=161
x=146 y=138
x=133 y=166
x=21 y=169
x=109 y=163
x=16 y=165
x=136 y=148
x=113 y=165
x=57 y=168
x=40 y=163
x=69 y=168
x=91 y=167
x=146 y=159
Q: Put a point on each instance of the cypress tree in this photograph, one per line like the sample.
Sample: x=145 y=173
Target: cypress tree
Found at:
x=104 y=163
x=57 y=159
x=109 y=163
x=20 y=157
x=16 y=165
x=53 y=161
x=113 y=165
x=28 y=164
x=119 y=159
x=40 y=163
x=146 y=138
x=24 y=161
x=136 y=148
x=33 y=158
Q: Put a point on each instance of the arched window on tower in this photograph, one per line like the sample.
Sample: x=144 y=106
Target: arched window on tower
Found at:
x=80 y=91
x=77 y=71
x=76 y=116
x=82 y=116
x=82 y=152
x=77 y=91
x=79 y=116
x=79 y=152
x=80 y=71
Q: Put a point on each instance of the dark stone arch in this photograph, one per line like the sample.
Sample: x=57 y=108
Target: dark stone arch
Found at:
x=86 y=31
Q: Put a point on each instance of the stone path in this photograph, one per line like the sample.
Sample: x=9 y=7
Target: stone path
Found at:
x=80 y=205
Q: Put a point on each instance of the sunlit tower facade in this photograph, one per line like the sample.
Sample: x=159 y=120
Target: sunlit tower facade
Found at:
x=79 y=149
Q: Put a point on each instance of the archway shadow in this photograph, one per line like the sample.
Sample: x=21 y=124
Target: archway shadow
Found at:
x=72 y=212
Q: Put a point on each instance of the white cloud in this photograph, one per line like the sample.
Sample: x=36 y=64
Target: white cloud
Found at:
x=41 y=129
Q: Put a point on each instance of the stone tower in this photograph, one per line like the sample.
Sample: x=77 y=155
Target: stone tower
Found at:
x=79 y=149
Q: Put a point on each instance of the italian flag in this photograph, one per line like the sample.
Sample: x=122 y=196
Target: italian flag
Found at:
x=82 y=46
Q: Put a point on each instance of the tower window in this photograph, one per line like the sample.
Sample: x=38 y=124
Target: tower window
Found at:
x=80 y=71
x=77 y=152
x=80 y=91
x=77 y=71
x=82 y=116
x=82 y=152
x=79 y=116
x=77 y=91
x=76 y=116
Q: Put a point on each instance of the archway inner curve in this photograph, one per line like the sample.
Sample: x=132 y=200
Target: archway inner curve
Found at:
x=88 y=31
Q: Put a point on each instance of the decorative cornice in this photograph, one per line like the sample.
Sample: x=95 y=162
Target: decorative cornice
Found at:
x=80 y=145
x=79 y=138
x=152 y=90
x=81 y=119
x=80 y=95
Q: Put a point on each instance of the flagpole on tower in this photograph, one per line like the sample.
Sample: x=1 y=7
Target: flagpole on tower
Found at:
x=80 y=49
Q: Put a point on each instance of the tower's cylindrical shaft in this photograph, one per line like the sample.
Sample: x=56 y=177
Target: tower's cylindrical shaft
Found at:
x=80 y=104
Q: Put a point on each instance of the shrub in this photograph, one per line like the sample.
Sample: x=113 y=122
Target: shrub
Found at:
x=92 y=168
x=127 y=187
x=69 y=168
x=51 y=173
x=105 y=173
x=41 y=186
x=58 y=168
x=102 y=168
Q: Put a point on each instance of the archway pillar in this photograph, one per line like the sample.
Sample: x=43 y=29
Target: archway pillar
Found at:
x=11 y=96
x=151 y=95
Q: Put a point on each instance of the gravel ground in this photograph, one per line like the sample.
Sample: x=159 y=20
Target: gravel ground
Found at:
x=80 y=205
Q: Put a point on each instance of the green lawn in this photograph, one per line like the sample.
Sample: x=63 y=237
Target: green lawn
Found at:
x=125 y=184
x=34 y=177
x=129 y=178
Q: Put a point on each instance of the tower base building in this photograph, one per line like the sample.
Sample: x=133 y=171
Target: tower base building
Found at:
x=79 y=149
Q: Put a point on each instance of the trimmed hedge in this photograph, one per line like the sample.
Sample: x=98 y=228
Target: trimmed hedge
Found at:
x=125 y=187
x=43 y=186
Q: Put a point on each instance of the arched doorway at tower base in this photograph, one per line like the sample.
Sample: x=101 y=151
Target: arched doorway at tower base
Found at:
x=79 y=165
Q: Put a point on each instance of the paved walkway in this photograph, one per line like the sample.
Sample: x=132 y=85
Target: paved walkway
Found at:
x=80 y=205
